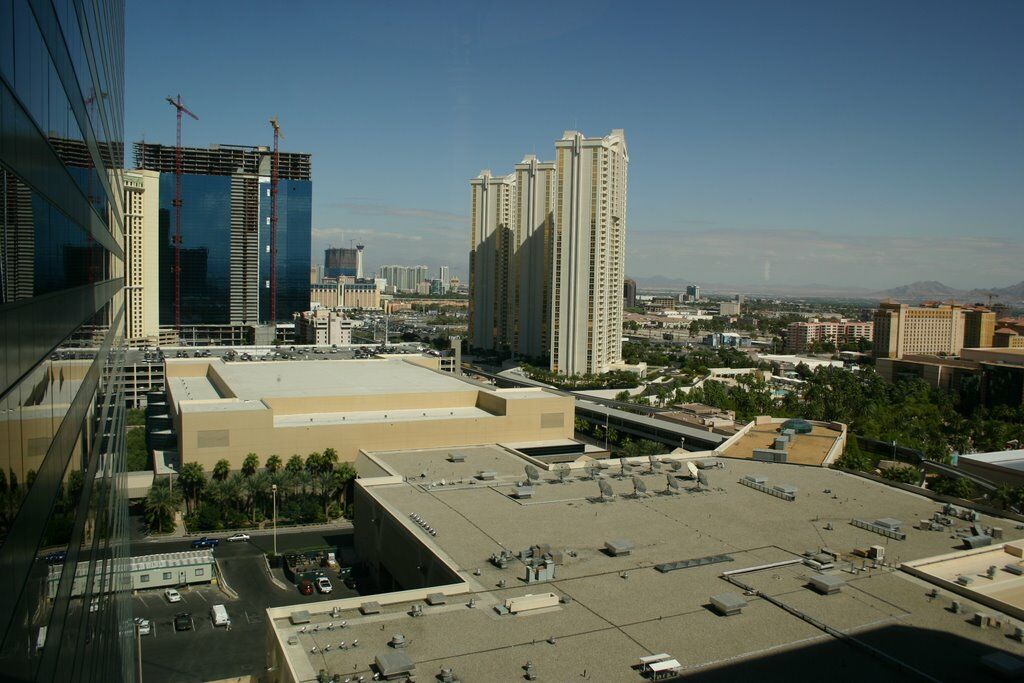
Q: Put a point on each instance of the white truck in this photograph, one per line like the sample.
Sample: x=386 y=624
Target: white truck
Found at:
x=219 y=614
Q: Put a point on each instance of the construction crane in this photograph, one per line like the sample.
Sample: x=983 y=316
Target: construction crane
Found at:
x=179 y=108
x=274 y=165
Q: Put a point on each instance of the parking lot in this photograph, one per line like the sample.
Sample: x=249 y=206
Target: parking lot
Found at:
x=206 y=652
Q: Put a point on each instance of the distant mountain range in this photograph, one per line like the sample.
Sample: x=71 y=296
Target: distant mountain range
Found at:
x=914 y=292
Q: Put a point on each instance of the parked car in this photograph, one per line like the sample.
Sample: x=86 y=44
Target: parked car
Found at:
x=56 y=557
x=172 y=595
x=205 y=542
x=145 y=626
x=306 y=587
x=350 y=582
x=238 y=537
x=183 y=621
x=219 y=615
x=323 y=584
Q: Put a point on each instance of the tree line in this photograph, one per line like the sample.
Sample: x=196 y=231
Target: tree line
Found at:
x=310 y=489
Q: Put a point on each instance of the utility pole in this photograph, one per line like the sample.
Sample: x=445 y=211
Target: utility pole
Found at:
x=274 y=174
x=176 y=202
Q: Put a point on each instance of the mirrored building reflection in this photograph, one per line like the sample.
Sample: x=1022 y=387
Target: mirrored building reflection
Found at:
x=62 y=497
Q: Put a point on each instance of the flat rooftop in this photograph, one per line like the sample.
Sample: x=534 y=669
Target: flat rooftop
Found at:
x=616 y=609
x=336 y=377
x=804 y=449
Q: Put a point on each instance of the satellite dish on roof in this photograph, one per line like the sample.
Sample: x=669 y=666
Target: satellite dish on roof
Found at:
x=624 y=467
x=673 y=484
x=676 y=465
x=532 y=475
x=639 y=487
x=692 y=469
x=593 y=469
x=655 y=464
x=606 y=489
x=702 y=479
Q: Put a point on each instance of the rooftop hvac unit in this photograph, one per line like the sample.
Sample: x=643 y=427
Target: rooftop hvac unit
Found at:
x=618 y=547
x=728 y=604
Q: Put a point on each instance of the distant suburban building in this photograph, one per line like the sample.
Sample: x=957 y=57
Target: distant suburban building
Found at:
x=979 y=328
x=324 y=326
x=403 y=279
x=994 y=375
x=729 y=308
x=902 y=329
x=629 y=293
x=800 y=337
x=692 y=293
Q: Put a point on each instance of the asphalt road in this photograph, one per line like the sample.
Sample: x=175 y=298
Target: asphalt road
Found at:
x=209 y=653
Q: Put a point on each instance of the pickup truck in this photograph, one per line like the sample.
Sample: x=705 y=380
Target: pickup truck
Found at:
x=205 y=542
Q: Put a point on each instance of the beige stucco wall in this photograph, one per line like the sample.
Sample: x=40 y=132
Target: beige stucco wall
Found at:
x=513 y=415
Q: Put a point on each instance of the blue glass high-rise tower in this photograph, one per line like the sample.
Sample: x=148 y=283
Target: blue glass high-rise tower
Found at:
x=225 y=231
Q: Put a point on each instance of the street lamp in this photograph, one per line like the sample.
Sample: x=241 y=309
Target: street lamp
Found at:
x=273 y=489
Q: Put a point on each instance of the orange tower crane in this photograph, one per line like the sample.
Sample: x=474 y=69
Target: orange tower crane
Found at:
x=179 y=108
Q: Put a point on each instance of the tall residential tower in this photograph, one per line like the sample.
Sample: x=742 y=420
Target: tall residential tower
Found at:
x=533 y=218
x=490 y=306
x=589 y=252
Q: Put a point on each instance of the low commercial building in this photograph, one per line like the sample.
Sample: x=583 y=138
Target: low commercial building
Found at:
x=324 y=326
x=226 y=409
x=995 y=374
x=1001 y=467
x=452 y=551
x=162 y=570
x=901 y=329
x=801 y=336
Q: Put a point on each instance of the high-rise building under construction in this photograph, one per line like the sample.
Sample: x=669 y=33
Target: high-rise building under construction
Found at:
x=225 y=228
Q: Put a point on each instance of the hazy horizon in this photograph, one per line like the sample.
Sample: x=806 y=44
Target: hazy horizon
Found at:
x=856 y=144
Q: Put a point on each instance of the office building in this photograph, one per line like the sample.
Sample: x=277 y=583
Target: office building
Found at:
x=988 y=376
x=802 y=337
x=324 y=327
x=62 y=313
x=589 y=252
x=224 y=409
x=491 y=308
x=979 y=328
x=442 y=275
x=692 y=293
x=225 y=233
x=142 y=256
x=728 y=308
x=340 y=262
x=901 y=329
x=629 y=293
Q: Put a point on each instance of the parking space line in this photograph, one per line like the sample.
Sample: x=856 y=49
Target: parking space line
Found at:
x=200 y=594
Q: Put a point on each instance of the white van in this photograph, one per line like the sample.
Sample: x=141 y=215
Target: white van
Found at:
x=219 y=615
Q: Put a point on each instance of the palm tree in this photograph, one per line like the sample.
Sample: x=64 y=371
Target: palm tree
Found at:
x=161 y=505
x=314 y=465
x=250 y=465
x=256 y=488
x=329 y=459
x=336 y=485
x=192 y=480
x=294 y=469
x=221 y=470
x=273 y=463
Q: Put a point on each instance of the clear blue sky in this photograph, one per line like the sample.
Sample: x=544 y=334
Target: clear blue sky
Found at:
x=845 y=143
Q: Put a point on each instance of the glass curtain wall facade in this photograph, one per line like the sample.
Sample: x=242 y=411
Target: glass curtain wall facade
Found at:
x=205 y=249
x=62 y=496
x=294 y=222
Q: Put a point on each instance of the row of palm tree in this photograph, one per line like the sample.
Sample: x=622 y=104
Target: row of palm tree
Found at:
x=251 y=489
